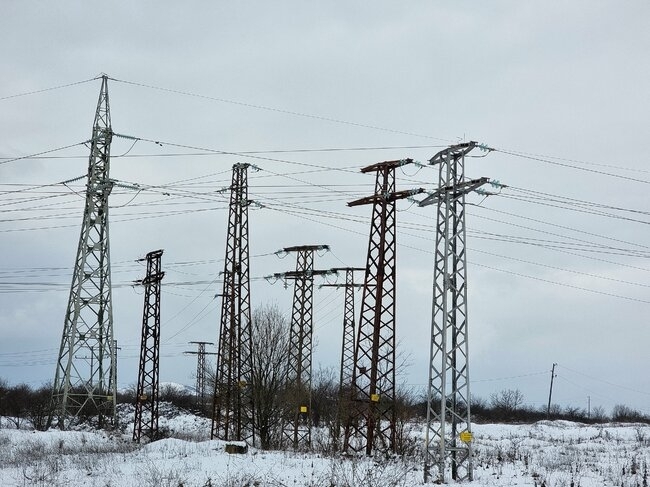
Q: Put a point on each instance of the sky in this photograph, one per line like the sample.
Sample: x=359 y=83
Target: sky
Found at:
x=557 y=262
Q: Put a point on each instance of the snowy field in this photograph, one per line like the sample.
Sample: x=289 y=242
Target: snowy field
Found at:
x=555 y=453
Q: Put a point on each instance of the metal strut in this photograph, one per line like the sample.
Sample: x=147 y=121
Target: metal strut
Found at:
x=448 y=433
x=146 y=398
x=372 y=416
x=233 y=412
x=85 y=379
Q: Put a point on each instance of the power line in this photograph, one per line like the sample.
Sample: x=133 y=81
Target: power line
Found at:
x=277 y=110
x=571 y=166
x=645 y=393
x=8 y=97
x=563 y=284
x=7 y=161
x=251 y=152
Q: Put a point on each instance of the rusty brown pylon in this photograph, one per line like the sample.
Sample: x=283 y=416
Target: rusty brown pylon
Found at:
x=347 y=346
x=372 y=417
x=233 y=411
x=200 y=353
x=296 y=429
x=146 y=398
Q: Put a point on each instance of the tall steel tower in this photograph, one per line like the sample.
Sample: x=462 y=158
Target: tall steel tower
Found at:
x=347 y=345
x=85 y=380
x=297 y=423
x=233 y=412
x=146 y=399
x=448 y=434
x=200 y=371
x=372 y=418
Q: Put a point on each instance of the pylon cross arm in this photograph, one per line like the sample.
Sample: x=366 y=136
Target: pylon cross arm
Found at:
x=456 y=191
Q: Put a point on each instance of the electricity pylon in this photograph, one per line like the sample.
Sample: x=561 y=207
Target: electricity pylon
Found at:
x=233 y=413
x=146 y=397
x=297 y=423
x=200 y=371
x=448 y=433
x=85 y=379
x=371 y=420
x=347 y=345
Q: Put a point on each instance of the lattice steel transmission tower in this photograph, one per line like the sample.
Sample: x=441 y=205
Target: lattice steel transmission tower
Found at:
x=371 y=420
x=146 y=398
x=448 y=434
x=347 y=345
x=233 y=413
x=85 y=379
x=297 y=423
x=199 y=389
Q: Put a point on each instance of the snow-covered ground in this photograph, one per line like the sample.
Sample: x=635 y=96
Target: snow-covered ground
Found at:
x=550 y=453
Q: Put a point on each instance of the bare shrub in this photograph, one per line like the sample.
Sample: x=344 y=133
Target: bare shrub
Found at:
x=358 y=472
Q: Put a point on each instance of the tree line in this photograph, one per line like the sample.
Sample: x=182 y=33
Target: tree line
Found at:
x=25 y=406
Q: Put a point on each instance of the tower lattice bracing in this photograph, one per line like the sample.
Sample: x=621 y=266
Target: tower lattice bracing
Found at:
x=297 y=423
x=85 y=379
x=146 y=398
x=347 y=345
x=448 y=433
x=372 y=417
x=233 y=412
x=199 y=389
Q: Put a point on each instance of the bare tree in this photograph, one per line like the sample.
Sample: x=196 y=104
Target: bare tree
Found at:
x=270 y=357
x=599 y=415
x=507 y=401
x=626 y=414
x=16 y=404
x=40 y=406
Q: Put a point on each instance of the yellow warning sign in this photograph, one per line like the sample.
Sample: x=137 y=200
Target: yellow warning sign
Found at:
x=374 y=397
x=303 y=409
x=466 y=436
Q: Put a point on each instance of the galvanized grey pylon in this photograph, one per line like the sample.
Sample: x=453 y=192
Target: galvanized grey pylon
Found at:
x=85 y=379
x=448 y=432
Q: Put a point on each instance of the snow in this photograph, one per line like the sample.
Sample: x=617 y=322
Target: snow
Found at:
x=550 y=453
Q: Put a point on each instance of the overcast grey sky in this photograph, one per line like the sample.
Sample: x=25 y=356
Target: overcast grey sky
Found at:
x=549 y=280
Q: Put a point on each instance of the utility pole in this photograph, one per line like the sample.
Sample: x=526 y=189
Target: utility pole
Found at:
x=550 y=393
x=448 y=433
x=588 y=407
x=232 y=406
x=371 y=420
x=85 y=385
x=297 y=426
x=146 y=398
x=200 y=371
x=347 y=345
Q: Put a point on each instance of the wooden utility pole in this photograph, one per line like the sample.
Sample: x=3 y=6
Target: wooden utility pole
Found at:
x=550 y=393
